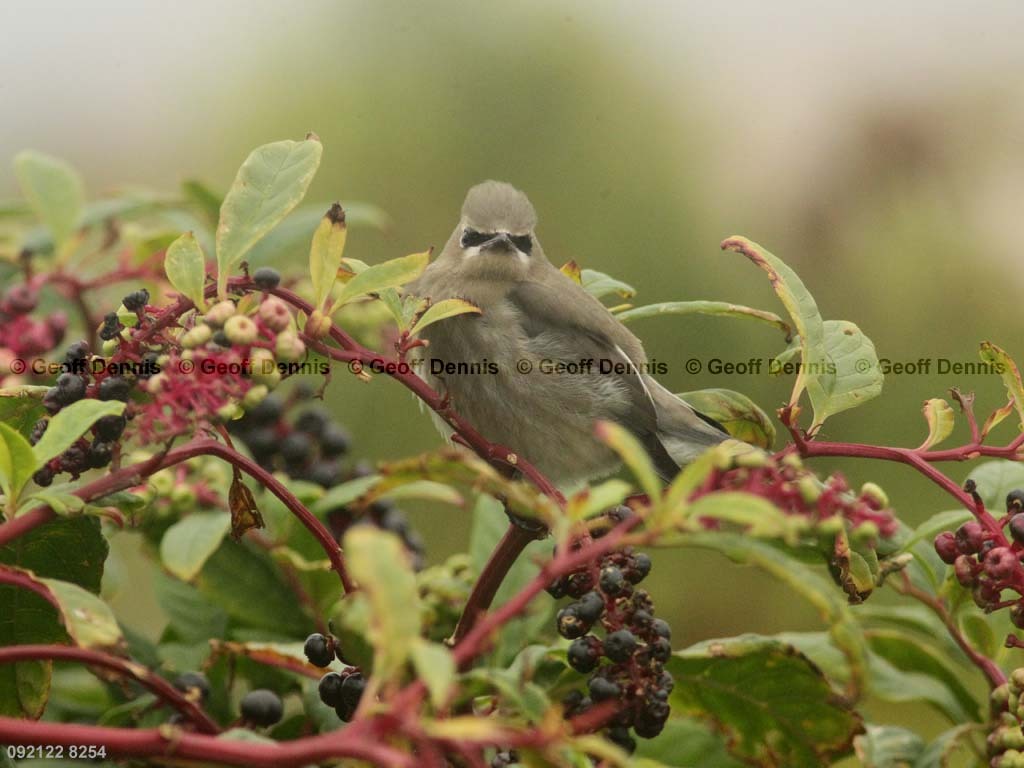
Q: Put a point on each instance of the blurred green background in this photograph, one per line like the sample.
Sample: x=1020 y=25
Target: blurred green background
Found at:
x=878 y=148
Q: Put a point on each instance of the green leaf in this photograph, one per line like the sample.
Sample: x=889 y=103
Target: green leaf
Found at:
x=489 y=524
x=995 y=479
x=801 y=308
x=686 y=743
x=843 y=629
x=851 y=375
x=343 y=494
x=192 y=617
x=442 y=310
x=21 y=407
x=54 y=190
x=185 y=265
x=247 y=586
x=926 y=672
x=17 y=463
x=599 y=285
x=771 y=702
x=389 y=274
x=888 y=747
x=325 y=253
x=940 y=753
x=70 y=424
x=190 y=542
x=435 y=667
x=620 y=440
x=755 y=515
x=71 y=549
x=203 y=198
x=423 y=489
x=715 y=308
x=1008 y=372
x=941 y=420
x=270 y=183
x=88 y=620
x=736 y=412
x=380 y=565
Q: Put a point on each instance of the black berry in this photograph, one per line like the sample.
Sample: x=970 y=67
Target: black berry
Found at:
x=661 y=628
x=1015 y=501
x=334 y=441
x=110 y=427
x=620 y=736
x=570 y=626
x=43 y=477
x=115 y=388
x=330 y=689
x=194 y=685
x=612 y=581
x=319 y=650
x=262 y=707
x=100 y=454
x=639 y=568
x=296 y=448
x=266 y=278
x=1017 y=527
x=602 y=689
x=136 y=300
x=71 y=387
x=312 y=421
x=584 y=653
x=619 y=645
x=590 y=607
x=352 y=688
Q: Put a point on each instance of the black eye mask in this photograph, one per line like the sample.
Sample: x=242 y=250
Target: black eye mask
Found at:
x=471 y=238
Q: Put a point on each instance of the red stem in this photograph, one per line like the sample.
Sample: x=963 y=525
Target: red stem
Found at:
x=151 y=682
x=172 y=743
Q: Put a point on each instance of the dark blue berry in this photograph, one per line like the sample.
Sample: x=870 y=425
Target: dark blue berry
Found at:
x=319 y=650
x=115 y=388
x=262 y=707
x=136 y=300
x=266 y=278
x=612 y=581
x=590 y=607
x=584 y=653
x=1015 y=501
x=330 y=689
x=602 y=689
x=639 y=568
x=334 y=441
x=110 y=427
x=569 y=624
x=619 y=645
x=352 y=688
x=71 y=387
x=194 y=685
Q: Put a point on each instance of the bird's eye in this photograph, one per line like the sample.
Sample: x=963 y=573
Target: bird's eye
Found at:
x=472 y=238
x=523 y=242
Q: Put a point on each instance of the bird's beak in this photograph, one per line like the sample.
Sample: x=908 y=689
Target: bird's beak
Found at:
x=499 y=242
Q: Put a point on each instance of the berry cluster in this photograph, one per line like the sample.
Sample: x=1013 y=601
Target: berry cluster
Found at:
x=1006 y=741
x=230 y=359
x=309 y=447
x=312 y=446
x=79 y=381
x=341 y=691
x=627 y=665
x=796 y=491
x=21 y=335
x=986 y=562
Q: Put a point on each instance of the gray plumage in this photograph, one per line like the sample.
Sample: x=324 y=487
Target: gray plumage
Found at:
x=533 y=312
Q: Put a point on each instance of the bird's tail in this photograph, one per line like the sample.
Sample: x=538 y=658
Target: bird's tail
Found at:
x=684 y=432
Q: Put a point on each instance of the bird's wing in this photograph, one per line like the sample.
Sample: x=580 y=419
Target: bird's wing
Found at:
x=591 y=331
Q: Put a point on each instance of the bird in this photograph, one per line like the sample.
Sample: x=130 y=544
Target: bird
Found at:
x=518 y=369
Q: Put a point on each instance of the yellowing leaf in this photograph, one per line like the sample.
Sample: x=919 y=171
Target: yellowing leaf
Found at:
x=185 y=265
x=442 y=310
x=1008 y=372
x=389 y=274
x=380 y=565
x=572 y=270
x=326 y=252
x=940 y=417
x=17 y=463
x=435 y=666
x=736 y=412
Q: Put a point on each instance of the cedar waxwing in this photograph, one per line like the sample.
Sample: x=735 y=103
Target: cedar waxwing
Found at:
x=544 y=360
